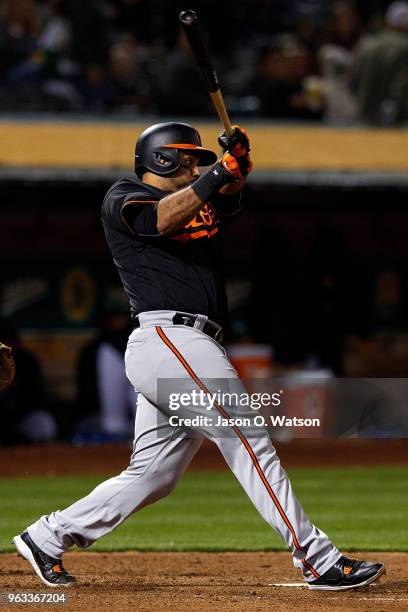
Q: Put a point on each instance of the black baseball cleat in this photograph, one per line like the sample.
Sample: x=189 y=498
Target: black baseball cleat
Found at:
x=348 y=573
x=50 y=570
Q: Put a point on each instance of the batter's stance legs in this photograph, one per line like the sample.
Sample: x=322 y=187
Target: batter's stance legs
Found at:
x=157 y=463
x=161 y=455
x=160 y=350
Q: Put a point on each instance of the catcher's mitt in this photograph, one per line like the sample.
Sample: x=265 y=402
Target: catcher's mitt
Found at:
x=7 y=366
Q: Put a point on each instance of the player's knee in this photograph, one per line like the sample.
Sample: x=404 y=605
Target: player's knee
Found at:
x=163 y=484
x=156 y=483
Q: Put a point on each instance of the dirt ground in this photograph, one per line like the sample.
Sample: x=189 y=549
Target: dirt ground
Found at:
x=56 y=459
x=200 y=581
x=203 y=581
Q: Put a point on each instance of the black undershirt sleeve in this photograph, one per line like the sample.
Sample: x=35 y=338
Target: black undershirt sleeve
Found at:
x=139 y=215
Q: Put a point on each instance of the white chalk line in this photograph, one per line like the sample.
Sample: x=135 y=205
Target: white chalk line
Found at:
x=374 y=599
x=290 y=585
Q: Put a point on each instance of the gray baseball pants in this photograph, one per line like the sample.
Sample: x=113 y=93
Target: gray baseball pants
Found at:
x=161 y=452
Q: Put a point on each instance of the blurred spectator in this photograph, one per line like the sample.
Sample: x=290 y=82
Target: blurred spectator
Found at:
x=132 y=17
x=345 y=27
x=95 y=88
x=106 y=400
x=55 y=37
x=281 y=82
x=336 y=60
x=336 y=66
x=130 y=87
x=23 y=405
x=180 y=89
x=59 y=72
x=19 y=31
x=380 y=75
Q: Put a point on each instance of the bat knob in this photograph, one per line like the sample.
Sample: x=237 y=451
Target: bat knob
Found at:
x=188 y=16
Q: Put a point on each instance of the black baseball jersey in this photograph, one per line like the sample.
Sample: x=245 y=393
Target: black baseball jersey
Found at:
x=181 y=272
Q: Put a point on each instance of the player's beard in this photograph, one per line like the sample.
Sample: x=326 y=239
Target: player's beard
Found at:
x=187 y=182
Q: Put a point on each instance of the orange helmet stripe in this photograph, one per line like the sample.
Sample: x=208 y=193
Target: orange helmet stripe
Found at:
x=180 y=145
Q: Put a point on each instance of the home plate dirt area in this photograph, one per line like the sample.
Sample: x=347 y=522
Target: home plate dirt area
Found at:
x=203 y=581
x=200 y=580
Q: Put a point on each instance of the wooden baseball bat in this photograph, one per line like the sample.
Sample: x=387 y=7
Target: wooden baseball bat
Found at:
x=197 y=40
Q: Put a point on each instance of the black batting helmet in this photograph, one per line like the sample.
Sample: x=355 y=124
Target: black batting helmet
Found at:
x=157 y=148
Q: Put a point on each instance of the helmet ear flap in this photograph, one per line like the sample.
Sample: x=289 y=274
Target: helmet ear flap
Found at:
x=164 y=162
x=165 y=159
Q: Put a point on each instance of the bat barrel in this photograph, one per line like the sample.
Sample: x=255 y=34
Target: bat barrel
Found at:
x=198 y=43
x=187 y=17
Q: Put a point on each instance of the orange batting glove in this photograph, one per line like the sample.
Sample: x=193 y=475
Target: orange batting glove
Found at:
x=236 y=168
x=237 y=144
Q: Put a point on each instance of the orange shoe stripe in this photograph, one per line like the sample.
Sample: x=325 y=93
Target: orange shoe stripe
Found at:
x=245 y=442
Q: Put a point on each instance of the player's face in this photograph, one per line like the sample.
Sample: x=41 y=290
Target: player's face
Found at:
x=189 y=171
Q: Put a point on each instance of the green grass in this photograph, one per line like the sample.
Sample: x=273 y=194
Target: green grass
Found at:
x=360 y=508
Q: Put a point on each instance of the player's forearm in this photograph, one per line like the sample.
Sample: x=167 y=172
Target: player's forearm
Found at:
x=176 y=210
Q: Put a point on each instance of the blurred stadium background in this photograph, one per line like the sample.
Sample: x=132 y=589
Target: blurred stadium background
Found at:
x=316 y=266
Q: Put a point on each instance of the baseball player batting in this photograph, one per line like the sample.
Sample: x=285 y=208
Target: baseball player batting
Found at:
x=164 y=228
